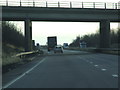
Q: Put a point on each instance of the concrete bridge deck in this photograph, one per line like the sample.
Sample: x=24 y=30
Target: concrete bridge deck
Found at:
x=59 y=14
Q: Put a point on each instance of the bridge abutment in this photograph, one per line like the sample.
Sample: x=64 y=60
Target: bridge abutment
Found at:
x=104 y=34
x=28 y=35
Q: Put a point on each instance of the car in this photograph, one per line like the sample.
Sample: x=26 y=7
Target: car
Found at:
x=58 y=49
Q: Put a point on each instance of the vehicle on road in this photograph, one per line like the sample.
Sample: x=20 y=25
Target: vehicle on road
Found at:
x=52 y=42
x=58 y=49
x=65 y=45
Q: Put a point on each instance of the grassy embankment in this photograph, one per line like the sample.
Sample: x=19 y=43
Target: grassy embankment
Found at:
x=8 y=54
x=12 y=43
x=10 y=60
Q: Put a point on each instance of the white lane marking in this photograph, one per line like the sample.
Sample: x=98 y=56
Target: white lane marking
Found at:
x=13 y=81
x=91 y=62
x=115 y=75
x=103 y=69
x=96 y=65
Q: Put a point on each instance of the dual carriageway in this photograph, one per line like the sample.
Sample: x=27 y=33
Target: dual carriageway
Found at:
x=72 y=69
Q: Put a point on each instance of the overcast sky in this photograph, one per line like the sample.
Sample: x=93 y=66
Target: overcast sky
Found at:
x=65 y=31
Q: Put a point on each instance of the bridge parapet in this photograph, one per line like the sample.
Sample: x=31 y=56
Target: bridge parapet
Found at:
x=61 y=4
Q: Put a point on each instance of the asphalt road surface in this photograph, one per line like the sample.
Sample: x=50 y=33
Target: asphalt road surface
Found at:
x=68 y=71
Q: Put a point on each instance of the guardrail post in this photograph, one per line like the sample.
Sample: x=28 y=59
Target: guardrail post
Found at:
x=105 y=5
x=33 y=3
x=70 y=4
x=115 y=5
x=82 y=5
x=58 y=4
x=93 y=4
x=6 y=2
x=46 y=4
x=20 y=3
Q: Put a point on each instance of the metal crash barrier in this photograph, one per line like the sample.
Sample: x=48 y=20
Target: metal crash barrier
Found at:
x=25 y=54
x=60 y=4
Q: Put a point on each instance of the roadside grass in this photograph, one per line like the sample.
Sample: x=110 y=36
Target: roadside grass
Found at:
x=8 y=52
x=8 y=59
x=11 y=61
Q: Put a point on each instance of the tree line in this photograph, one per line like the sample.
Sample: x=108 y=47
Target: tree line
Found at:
x=11 y=35
x=92 y=40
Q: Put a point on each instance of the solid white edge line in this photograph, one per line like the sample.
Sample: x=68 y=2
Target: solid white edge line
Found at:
x=13 y=81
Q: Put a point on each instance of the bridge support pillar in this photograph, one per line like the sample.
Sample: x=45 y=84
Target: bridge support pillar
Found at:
x=105 y=34
x=28 y=35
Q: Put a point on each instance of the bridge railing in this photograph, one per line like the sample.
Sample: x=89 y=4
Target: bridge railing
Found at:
x=62 y=4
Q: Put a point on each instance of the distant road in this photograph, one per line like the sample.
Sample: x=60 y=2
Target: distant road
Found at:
x=70 y=71
x=65 y=52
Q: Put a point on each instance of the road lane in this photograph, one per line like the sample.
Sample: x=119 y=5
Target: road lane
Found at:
x=104 y=61
x=65 y=52
x=71 y=71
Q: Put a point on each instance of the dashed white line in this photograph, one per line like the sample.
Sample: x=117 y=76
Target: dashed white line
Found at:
x=13 y=81
x=103 y=69
x=115 y=75
x=96 y=65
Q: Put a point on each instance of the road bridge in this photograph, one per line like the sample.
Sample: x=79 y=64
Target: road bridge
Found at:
x=32 y=13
